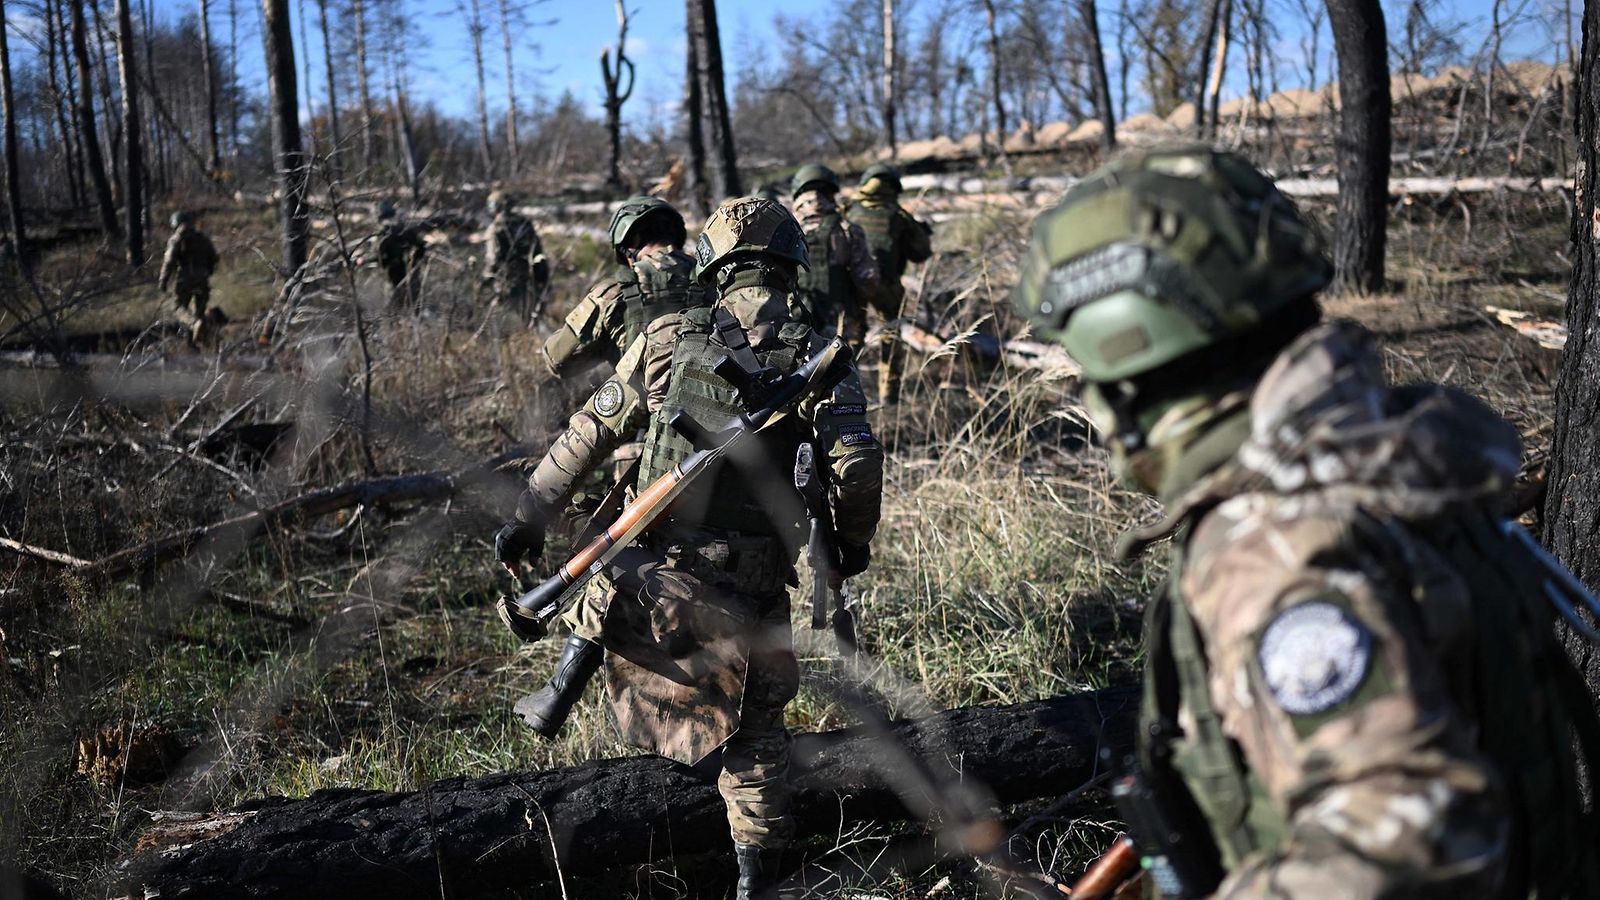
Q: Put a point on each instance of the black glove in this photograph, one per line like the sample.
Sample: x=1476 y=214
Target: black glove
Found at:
x=853 y=559
x=516 y=541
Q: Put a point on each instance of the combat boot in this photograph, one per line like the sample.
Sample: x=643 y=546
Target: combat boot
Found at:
x=546 y=710
x=758 y=871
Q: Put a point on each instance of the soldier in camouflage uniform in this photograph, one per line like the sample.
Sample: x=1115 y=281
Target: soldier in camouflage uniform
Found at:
x=514 y=263
x=697 y=639
x=897 y=239
x=187 y=267
x=653 y=277
x=843 y=276
x=1352 y=687
x=400 y=253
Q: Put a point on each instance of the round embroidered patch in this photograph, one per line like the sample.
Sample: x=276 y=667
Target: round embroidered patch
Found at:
x=608 y=399
x=1314 y=656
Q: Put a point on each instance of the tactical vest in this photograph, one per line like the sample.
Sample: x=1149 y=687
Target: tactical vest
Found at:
x=650 y=292
x=723 y=500
x=882 y=225
x=824 y=288
x=1528 y=701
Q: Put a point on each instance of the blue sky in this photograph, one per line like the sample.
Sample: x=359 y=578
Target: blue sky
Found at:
x=564 y=55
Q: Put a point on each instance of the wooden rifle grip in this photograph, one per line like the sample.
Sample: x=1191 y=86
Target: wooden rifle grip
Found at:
x=1119 y=863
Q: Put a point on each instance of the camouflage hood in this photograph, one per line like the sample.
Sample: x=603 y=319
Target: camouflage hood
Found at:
x=1325 y=420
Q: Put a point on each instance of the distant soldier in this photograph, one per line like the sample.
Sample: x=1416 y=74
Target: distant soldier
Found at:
x=653 y=277
x=187 y=266
x=400 y=253
x=515 y=257
x=896 y=239
x=832 y=295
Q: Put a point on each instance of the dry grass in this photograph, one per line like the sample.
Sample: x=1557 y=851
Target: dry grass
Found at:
x=991 y=583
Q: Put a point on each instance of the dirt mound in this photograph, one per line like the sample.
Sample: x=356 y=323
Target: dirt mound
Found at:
x=1089 y=130
x=1054 y=133
x=1145 y=123
x=1182 y=118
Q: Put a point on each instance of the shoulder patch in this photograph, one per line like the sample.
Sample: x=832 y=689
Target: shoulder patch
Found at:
x=1314 y=656
x=608 y=400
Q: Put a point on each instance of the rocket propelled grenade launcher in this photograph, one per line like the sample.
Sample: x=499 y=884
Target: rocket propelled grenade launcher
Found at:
x=768 y=396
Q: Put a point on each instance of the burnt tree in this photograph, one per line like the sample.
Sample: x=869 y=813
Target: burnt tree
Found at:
x=616 y=94
x=996 y=90
x=86 y=125
x=1097 y=75
x=213 y=136
x=335 y=140
x=13 y=185
x=133 y=168
x=1362 y=146
x=294 y=220
x=695 y=187
x=515 y=830
x=888 y=77
x=1572 y=506
x=716 y=126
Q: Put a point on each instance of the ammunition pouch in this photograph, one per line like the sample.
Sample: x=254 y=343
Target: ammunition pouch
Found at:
x=754 y=564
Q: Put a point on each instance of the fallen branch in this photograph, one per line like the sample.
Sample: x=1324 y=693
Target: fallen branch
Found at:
x=393 y=489
x=515 y=830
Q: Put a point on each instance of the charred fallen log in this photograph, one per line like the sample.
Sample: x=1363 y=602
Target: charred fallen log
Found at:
x=474 y=835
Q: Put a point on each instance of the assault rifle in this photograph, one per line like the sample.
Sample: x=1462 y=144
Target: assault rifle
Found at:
x=768 y=396
x=822 y=552
x=1174 y=844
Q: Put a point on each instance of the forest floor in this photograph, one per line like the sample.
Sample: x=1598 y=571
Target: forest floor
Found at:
x=992 y=582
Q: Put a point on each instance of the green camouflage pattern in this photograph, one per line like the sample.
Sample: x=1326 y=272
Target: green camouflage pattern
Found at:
x=832 y=295
x=1161 y=253
x=815 y=177
x=748 y=226
x=1344 y=506
x=614 y=312
x=633 y=211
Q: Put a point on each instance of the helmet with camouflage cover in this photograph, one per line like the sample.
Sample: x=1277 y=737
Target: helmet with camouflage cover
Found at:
x=1163 y=254
x=499 y=200
x=637 y=209
x=386 y=209
x=813 y=177
x=752 y=226
x=182 y=217
x=886 y=175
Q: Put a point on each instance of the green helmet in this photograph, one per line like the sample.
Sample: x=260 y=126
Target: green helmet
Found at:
x=749 y=225
x=887 y=174
x=813 y=177
x=386 y=209
x=182 y=217
x=636 y=209
x=1162 y=253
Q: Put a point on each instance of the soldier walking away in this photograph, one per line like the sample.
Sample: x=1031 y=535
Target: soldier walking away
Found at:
x=897 y=239
x=401 y=249
x=653 y=278
x=833 y=293
x=696 y=639
x=1352 y=684
x=187 y=267
x=514 y=263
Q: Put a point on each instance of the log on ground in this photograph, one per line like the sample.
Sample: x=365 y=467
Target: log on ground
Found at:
x=513 y=830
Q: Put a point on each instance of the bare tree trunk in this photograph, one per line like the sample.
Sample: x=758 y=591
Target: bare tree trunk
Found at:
x=358 y=13
x=475 y=29
x=333 y=92
x=206 y=62
x=695 y=186
x=233 y=78
x=1097 y=75
x=616 y=95
x=132 y=192
x=991 y=16
x=513 y=143
x=54 y=31
x=70 y=77
x=108 y=110
x=1219 y=70
x=718 y=129
x=293 y=218
x=310 y=133
x=1203 y=60
x=91 y=140
x=1362 y=148
x=406 y=143
x=13 y=178
x=1573 y=503
x=888 y=79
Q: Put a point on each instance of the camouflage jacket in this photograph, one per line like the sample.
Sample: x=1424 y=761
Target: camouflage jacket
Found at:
x=600 y=328
x=514 y=249
x=896 y=237
x=190 y=258
x=400 y=249
x=847 y=253
x=1319 y=644
x=625 y=404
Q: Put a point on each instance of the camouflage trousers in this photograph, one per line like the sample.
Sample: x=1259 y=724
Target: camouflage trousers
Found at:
x=714 y=666
x=891 y=356
x=404 y=287
x=192 y=299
